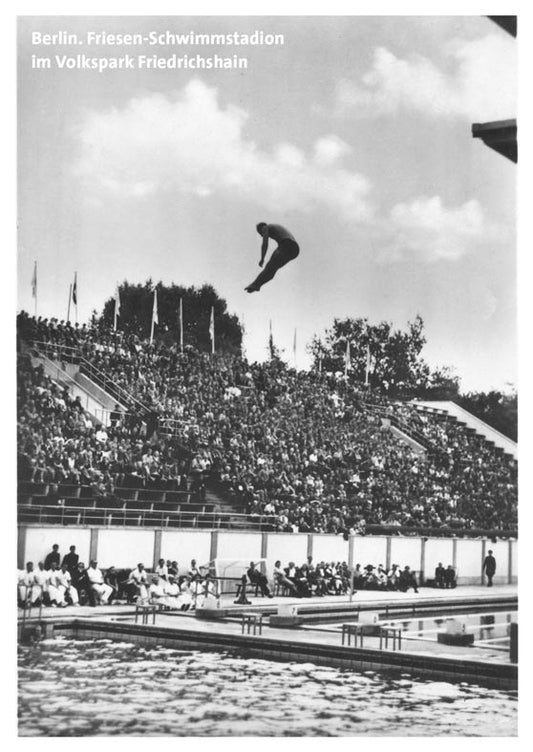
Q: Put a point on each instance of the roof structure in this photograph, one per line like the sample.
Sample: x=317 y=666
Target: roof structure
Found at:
x=499 y=135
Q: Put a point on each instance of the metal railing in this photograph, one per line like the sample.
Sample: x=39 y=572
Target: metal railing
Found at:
x=59 y=514
x=74 y=355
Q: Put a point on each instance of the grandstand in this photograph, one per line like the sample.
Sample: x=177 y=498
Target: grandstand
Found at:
x=118 y=431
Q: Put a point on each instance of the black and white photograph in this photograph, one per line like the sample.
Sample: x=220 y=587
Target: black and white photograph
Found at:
x=266 y=375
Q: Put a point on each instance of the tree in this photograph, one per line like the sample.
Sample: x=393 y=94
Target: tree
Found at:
x=390 y=359
x=136 y=305
x=498 y=409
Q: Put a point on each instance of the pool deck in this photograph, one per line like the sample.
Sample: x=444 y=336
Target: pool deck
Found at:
x=317 y=640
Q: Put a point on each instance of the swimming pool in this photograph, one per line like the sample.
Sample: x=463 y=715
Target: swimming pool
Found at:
x=491 y=630
x=104 y=688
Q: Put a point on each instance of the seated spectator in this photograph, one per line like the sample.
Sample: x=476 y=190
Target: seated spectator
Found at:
x=98 y=586
x=81 y=582
x=439 y=575
x=185 y=599
x=381 y=578
x=449 y=577
x=55 y=593
x=157 y=592
x=358 y=577
x=64 y=588
x=407 y=580
x=111 y=580
x=172 y=592
x=258 y=578
x=296 y=576
x=30 y=593
x=173 y=568
x=162 y=570
x=370 y=577
x=136 y=586
x=41 y=580
x=193 y=571
x=281 y=579
x=321 y=579
x=393 y=577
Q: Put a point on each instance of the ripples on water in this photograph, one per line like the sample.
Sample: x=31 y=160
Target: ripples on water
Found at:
x=98 y=687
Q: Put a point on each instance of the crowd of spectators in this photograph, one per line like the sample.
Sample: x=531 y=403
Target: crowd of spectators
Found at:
x=57 y=582
x=301 y=446
x=61 y=443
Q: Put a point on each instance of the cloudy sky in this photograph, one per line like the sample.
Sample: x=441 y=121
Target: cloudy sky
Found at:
x=355 y=134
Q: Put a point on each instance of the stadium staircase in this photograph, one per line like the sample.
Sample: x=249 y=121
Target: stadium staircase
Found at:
x=400 y=429
x=98 y=394
x=447 y=410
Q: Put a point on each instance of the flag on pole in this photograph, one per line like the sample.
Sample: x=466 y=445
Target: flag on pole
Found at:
x=212 y=329
x=34 y=281
x=34 y=288
x=347 y=359
x=181 y=324
x=117 y=308
x=155 y=317
x=367 y=368
x=271 y=342
x=75 y=290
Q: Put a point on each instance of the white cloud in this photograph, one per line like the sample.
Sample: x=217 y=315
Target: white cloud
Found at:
x=190 y=144
x=429 y=231
x=477 y=81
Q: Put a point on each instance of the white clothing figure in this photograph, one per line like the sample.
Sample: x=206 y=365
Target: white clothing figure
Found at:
x=98 y=586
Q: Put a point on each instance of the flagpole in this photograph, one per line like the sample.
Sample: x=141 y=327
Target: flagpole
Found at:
x=181 y=324
x=154 y=317
x=69 y=297
x=117 y=308
x=212 y=330
x=76 y=299
x=294 y=350
x=34 y=288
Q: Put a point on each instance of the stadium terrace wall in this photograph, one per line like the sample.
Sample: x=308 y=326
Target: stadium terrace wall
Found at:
x=125 y=548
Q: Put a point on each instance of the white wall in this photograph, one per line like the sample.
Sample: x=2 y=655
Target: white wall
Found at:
x=125 y=548
x=285 y=547
x=437 y=550
x=469 y=561
x=329 y=548
x=239 y=546
x=514 y=560
x=182 y=546
x=406 y=551
x=39 y=542
x=371 y=549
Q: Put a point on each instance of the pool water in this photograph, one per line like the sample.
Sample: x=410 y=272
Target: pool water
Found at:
x=104 y=688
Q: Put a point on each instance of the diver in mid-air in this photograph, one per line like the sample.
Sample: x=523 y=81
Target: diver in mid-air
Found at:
x=287 y=250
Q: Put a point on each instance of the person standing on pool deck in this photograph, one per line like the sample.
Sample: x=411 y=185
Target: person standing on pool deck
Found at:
x=287 y=250
x=489 y=567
